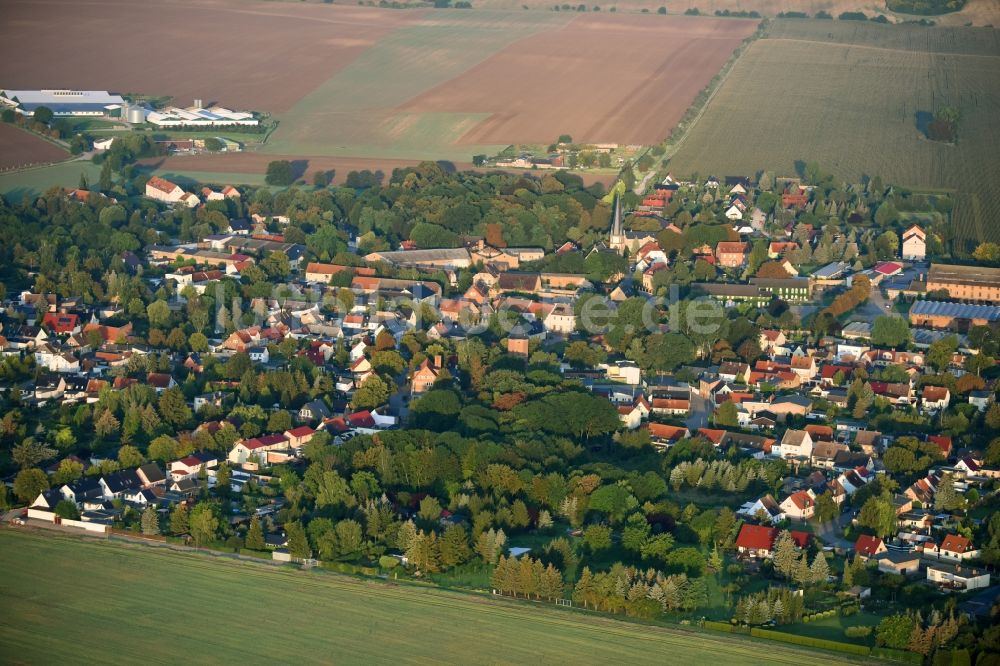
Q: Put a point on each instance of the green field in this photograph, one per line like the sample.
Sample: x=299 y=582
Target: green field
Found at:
x=846 y=95
x=68 y=600
x=32 y=182
x=353 y=113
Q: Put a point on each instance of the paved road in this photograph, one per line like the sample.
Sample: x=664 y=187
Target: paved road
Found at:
x=700 y=411
x=640 y=187
x=832 y=532
x=875 y=306
x=399 y=401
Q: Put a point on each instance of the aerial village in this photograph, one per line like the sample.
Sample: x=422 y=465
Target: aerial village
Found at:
x=287 y=381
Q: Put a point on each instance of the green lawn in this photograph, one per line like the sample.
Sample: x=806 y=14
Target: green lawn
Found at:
x=16 y=184
x=832 y=628
x=68 y=600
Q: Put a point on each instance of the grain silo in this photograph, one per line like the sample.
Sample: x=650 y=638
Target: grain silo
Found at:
x=136 y=115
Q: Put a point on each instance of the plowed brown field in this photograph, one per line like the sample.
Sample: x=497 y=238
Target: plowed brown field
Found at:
x=19 y=148
x=600 y=78
x=246 y=55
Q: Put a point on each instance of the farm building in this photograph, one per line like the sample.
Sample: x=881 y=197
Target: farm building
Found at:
x=939 y=314
x=64 y=102
x=167 y=192
x=438 y=258
x=195 y=116
x=967 y=283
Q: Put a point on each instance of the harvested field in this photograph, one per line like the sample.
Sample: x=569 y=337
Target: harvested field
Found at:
x=821 y=91
x=19 y=148
x=574 y=80
x=977 y=12
x=69 y=600
x=247 y=55
x=350 y=81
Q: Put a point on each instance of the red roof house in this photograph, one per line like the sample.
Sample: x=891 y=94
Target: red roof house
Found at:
x=869 y=546
x=756 y=540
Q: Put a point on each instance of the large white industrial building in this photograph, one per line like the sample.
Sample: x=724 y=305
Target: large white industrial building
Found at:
x=196 y=116
x=63 y=102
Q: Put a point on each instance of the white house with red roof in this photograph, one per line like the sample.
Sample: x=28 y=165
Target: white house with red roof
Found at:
x=756 y=540
x=956 y=548
x=914 y=244
x=800 y=505
x=190 y=465
x=247 y=450
x=869 y=546
x=161 y=189
x=299 y=437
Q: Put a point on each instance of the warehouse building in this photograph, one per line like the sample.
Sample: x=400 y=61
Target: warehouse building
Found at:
x=966 y=283
x=957 y=316
x=196 y=116
x=64 y=102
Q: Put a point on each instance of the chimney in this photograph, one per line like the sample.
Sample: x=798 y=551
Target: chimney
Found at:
x=198 y=102
x=437 y=361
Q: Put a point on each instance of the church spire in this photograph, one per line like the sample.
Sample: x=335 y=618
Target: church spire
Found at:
x=616 y=239
x=616 y=224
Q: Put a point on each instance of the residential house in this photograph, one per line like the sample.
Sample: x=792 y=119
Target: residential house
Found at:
x=824 y=453
x=981 y=400
x=934 y=398
x=160 y=381
x=756 y=540
x=958 y=577
x=899 y=563
x=627 y=372
x=663 y=436
x=561 y=320
x=914 y=244
x=868 y=546
x=766 y=508
x=114 y=486
x=957 y=548
x=314 y=410
x=796 y=444
x=731 y=371
x=189 y=466
x=424 y=376
x=800 y=505
x=732 y=254
x=256 y=449
x=150 y=474
x=163 y=190
x=299 y=437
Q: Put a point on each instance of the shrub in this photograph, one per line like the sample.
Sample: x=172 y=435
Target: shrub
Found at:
x=807 y=641
x=857 y=632
x=718 y=626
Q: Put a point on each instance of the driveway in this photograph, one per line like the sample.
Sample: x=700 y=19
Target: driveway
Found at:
x=700 y=411
x=831 y=532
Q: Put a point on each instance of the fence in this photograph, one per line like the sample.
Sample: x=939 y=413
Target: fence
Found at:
x=40 y=514
x=89 y=527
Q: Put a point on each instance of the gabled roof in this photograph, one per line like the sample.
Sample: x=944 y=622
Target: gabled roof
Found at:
x=161 y=184
x=756 y=537
x=868 y=545
x=954 y=543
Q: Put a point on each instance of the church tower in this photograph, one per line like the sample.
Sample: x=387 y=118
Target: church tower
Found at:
x=616 y=240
